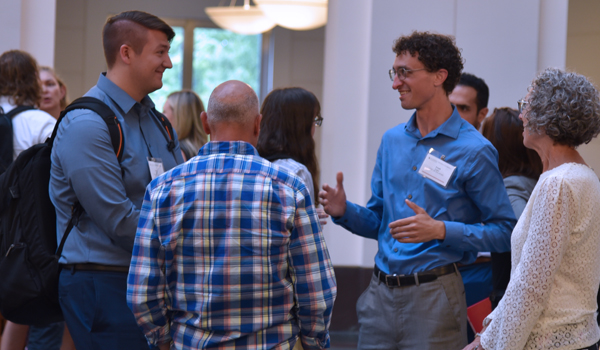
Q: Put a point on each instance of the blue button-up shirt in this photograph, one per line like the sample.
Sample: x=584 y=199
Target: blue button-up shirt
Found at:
x=85 y=169
x=474 y=205
x=229 y=254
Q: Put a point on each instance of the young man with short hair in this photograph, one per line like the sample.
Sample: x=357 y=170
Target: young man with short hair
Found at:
x=85 y=169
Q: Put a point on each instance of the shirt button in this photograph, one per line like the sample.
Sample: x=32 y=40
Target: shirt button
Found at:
x=395 y=250
x=410 y=196
x=414 y=168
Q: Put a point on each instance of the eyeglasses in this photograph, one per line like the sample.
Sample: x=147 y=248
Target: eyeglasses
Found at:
x=318 y=120
x=401 y=72
x=522 y=105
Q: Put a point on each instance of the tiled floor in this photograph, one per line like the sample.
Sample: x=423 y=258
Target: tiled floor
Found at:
x=343 y=340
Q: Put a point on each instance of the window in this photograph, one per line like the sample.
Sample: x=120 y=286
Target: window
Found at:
x=205 y=57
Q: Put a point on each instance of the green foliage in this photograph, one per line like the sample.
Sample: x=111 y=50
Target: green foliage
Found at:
x=221 y=55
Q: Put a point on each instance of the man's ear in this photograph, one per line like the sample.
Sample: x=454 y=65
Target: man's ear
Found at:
x=204 y=120
x=482 y=114
x=440 y=77
x=125 y=53
x=257 y=125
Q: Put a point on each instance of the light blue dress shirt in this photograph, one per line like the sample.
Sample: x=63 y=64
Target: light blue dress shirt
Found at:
x=85 y=169
x=474 y=205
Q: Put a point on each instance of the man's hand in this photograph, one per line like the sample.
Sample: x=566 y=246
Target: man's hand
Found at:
x=419 y=228
x=334 y=199
x=164 y=346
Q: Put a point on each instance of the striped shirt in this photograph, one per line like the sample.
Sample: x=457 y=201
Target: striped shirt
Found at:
x=229 y=254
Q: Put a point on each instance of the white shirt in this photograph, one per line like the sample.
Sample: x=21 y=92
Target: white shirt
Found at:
x=29 y=128
x=550 y=302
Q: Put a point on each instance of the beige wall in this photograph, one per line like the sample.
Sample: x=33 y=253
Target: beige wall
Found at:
x=583 y=53
x=29 y=25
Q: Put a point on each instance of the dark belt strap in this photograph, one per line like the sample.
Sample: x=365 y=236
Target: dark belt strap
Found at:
x=415 y=279
x=95 y=267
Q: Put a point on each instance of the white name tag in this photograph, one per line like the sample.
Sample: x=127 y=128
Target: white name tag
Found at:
x=436 y=169
x=156 y=167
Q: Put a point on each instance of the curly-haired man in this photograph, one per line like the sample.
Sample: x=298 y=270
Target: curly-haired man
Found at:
x=437 y=199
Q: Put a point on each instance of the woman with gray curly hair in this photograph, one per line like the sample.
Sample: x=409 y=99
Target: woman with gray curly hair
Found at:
x=550 y=302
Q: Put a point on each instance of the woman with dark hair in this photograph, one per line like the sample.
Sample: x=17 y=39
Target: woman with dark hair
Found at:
x=521 y=168
x=289 y=120
x=550 y=301
x=289 y=117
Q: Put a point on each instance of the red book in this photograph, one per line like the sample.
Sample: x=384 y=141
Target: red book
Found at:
x=477 y=312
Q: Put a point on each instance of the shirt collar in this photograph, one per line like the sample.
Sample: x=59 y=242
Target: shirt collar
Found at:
x=451 y=127
x=230 y=147
x=119 y=96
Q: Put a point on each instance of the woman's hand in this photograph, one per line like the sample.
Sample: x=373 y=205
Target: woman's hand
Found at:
x=322 y=216
x=475 y=345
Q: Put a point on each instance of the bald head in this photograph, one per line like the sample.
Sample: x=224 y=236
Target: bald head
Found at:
x=232 y=113
x=232 y=102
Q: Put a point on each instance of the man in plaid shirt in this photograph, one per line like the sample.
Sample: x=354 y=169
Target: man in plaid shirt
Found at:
x=229 y=253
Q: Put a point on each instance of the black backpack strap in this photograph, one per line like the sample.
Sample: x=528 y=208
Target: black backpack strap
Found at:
x=13 y=112
x=116 y=137
x=109 y=117
x=168 y=127
x=6 y=132
x=76 y=211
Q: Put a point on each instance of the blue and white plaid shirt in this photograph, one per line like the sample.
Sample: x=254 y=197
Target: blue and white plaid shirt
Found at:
x=229 y=254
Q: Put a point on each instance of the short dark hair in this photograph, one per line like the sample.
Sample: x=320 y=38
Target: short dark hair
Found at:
x=504 y=130
x=127 y=28
x=483 y=92
x=436 y=51
x=288 y=116
x=19 y=78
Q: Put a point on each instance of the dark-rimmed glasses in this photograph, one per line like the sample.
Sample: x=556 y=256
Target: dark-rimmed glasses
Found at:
x=318 y=120
x=401 y=72
x=522 y=104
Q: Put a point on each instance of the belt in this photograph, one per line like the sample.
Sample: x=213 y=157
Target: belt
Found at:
x=94 y=267
x=414 y=279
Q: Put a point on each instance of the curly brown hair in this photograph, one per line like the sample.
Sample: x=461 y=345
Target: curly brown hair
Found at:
x=19 y=78
x=565 y=106
x=436 y=51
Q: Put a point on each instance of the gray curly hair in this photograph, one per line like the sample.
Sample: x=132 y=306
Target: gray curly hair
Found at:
x=566 y=105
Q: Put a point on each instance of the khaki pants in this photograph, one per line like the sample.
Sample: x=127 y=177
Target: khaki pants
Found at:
x=430 y=316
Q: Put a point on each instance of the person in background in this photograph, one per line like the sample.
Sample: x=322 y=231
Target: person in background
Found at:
x=471 y=97
x=183 y=109
x=54 y=92
x=521 y=168
x=550 y=301
x=289 y=120
x=20 y=86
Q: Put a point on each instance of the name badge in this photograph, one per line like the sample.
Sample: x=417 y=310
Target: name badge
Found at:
x=156 y=167
x=436 y=169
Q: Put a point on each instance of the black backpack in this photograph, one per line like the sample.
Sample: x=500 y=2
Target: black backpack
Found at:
x=6 y=136
x=29 y=256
